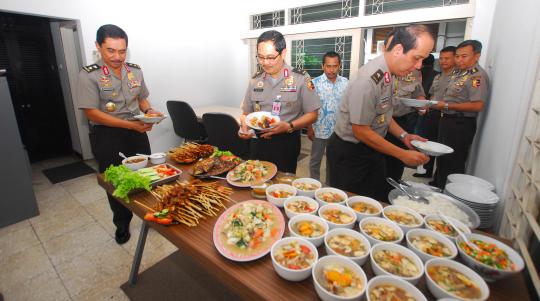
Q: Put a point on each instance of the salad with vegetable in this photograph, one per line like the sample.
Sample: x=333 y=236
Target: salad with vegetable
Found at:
x=125 y=180
x=489 y=254
x=249 y=171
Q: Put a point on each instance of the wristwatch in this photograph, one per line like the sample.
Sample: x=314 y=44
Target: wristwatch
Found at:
x=445 y=108
x=291 y=129
x=403 y=135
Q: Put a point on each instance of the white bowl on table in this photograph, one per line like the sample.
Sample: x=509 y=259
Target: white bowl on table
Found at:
x=490 y=274
x=435 y=235
x=312 y=204
x=364 y=199
x=291 y=274
x=400 y=283
x=407 y=210
x=439 y=292
x=135 y=165
x=378 y=270
x=308 y=193
x=344 y=210
x=317 y=240
x=360 y=260
x=158 y=158
x=317 y=274
x=379 y=220
x=279 y=201
x=456 y=222
x=322 y=202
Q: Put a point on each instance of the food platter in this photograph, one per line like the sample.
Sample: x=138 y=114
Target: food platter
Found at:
x=165 y=173
x=270 y=167
x=417 y=103
x=259 y=120
x=190 y=152
x=217 y=164
x=149 y=119
x=239 y=219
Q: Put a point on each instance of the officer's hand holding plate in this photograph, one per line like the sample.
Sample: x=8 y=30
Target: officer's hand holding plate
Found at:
x=262 y=120
x=150 y=117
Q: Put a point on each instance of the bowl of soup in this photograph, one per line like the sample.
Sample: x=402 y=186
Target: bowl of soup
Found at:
x=450 y=279
x=135 y=162
x=278 y=193
x=428 y=244
x=396 y=260
x=338 y=216
x=299 y=205
x=337 y=278
x=378 y=230
x=293 y=258
x=306 y=186
x=310 y=227
x=384 y=288
x=329 y=195
x=436 y=223
x=404 y=217
x=347 y=243
x=364 y=207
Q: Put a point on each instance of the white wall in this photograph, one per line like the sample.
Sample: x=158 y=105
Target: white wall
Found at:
x=188 y=50
x=481 y=24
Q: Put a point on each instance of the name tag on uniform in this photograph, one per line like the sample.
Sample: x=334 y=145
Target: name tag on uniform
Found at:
x=258 y=90
x=276 y=107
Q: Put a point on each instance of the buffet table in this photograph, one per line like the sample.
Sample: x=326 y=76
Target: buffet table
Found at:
x=257 y=280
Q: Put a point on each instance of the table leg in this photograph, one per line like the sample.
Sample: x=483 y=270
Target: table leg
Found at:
x=138 y=254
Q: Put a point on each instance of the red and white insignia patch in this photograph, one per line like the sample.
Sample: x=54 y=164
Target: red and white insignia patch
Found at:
x=386 y=77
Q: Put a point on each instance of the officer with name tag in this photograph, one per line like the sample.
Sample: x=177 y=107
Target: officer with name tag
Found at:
x=357 y=148
x=285 y=92
x=111 y=92
x=464 y=98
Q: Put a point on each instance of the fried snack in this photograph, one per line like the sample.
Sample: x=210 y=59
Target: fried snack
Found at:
x=190 y=152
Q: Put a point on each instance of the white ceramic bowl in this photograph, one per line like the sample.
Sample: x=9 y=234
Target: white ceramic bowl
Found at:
x=308 y=193
x=317 y=274
x=489 y=273
x=379 y=220
x=364 y=199
x=463 y=178
x=458 y=224
x=290 y=274
x=435 y=235
x=378 y=270
x=439 y=292
x=348 y=211
x=158 y=158
x=135 y=166
x=360 y=260
x=410 y=211
x=391 y=280
x=279 y=201
x=316 y=241
x=312 y=204
x=342 y=193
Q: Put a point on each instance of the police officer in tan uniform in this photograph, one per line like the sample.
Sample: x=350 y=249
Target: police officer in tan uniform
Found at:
x=463 y=99
x=111 y=92
x=356 y=149
x=284 y=91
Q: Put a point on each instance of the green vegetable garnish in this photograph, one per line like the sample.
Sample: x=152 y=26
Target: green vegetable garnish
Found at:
x=125 y=180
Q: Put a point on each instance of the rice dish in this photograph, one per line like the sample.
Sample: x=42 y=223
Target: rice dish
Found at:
x=435 y=204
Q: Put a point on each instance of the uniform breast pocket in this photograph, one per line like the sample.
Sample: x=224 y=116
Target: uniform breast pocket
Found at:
x=381 y=120
x=289 y=103
x=135 y=91
x=107 y=94
x=405 y=91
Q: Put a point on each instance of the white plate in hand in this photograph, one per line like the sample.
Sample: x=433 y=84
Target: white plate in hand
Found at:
x=253 y=118
x=432 y=148
x=417 y=103
x=143 y=118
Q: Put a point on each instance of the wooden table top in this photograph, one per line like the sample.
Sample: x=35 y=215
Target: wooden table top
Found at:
x=257 y=280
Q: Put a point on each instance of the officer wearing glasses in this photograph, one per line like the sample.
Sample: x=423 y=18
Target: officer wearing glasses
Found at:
x=284 y=91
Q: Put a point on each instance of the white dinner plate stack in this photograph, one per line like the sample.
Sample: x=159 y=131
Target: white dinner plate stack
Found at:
x=483 y=201
x=468 y=179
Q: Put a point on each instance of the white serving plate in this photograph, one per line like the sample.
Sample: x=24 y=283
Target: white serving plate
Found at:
x=145 y=119
x=417 y=103
x=468 y=179
x=432 y=148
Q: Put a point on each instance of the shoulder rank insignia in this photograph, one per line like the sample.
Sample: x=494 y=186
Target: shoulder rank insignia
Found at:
x=257 y=73
x=133 y=65
x=91 y=68
x=309 y=83
x=377 y=76
x=474 y=70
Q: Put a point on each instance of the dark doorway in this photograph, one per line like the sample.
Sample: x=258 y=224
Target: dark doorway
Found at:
x=27 y=53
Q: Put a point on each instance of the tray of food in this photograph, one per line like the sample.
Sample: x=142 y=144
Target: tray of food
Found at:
x=150 y=117
x=218 y=163
x=251 y=172
x=190 y=152
x=160 y=174
x=261 y=120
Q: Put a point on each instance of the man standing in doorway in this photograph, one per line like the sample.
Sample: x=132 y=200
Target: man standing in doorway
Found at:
x=330 y=87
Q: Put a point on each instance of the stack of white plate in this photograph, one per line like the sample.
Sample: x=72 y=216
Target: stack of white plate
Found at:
x=468 y=179
x=483 y=201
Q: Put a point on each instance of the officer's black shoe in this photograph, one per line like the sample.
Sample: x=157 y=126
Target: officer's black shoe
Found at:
x=419 y=175
x=122 y=238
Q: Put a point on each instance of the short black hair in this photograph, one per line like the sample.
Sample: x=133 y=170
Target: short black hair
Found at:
x=331 y=54
x=475 y=44
x=449 y=49
x=110 y=31
x=276 y=37
x=406 y=36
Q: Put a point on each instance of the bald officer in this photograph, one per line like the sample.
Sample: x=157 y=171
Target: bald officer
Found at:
x=287 y=93
x=463 y=99
x=356 y=149
x=111 y=92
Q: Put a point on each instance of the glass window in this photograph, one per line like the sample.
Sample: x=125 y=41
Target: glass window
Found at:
x=268 y=20
x=307 y=54
x=325 y=11
x=374 y=7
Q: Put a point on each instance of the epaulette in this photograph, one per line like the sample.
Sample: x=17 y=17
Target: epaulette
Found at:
x=91 y=68
x=257 y=73
x=133 y=65
x=377 y=76
x=299 y=71
x=474 y=70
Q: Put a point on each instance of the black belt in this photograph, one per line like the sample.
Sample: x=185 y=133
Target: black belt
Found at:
x=455 y=115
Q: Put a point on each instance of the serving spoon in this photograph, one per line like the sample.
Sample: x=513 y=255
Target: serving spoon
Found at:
x=460 y=233
x=411 y=196
x=121 y=154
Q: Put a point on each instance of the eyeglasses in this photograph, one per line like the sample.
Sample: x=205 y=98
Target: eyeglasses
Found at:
x=270 y=59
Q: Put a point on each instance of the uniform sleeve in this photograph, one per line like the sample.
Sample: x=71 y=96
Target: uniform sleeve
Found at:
x=432 y=89
x=478 y=88
x=361 y=98
x=246 y=105
x=87 y=92
x=418 y=90
x=144 y=90
x=310 y=99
